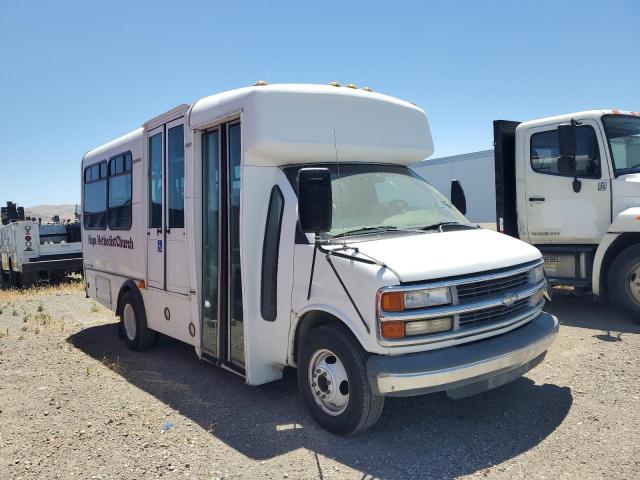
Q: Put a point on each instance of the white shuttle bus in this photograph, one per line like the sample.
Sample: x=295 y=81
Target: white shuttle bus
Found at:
x=280 y=226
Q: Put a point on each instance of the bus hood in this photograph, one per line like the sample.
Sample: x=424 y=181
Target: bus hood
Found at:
x=432 y=256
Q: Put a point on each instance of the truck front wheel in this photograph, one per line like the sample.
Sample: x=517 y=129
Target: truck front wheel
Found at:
x=624 y=281
x=332 y=378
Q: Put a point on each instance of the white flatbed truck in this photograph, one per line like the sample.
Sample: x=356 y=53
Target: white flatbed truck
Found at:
x=570 y=185
x=279 y=226
x=31 y=252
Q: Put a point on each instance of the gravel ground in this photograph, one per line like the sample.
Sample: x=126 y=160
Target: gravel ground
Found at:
x=75 y=403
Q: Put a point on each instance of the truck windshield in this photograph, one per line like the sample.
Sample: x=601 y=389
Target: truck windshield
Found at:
x=370 y=198
x=623 y=135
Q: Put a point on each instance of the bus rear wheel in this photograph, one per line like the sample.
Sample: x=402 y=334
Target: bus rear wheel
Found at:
x=624 y=281
x=332 y=378
x=133 y=324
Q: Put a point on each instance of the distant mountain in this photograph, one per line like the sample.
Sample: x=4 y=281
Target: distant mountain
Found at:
x=66 y=212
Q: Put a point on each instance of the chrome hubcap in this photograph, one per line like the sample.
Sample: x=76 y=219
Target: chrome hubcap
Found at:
x=129 y=318
x=633 y=281
x=329 y=382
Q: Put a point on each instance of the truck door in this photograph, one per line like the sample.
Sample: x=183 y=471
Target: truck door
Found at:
x=563 y=207
x=166 y=254
x=222 y=309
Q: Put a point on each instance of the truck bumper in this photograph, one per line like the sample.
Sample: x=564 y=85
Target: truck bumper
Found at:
x=466 y=369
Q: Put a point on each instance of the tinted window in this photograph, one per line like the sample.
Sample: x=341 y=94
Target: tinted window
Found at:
x=268 y=298
x=120 y=192
x=155 y=181
x=545 y=154
x=623 y=133
x=175 y=185
x=94 y=202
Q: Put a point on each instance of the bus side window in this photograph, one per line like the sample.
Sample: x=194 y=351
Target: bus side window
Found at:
x=269 y=287
x=94 y=203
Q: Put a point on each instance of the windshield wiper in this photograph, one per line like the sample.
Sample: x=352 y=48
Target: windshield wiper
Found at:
x=357 y=231
x=439 y=225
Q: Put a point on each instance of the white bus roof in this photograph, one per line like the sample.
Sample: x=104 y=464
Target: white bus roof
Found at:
x=291 y=124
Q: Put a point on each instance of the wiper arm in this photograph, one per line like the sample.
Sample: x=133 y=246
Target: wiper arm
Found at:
x=356 y=231
x=439 y=225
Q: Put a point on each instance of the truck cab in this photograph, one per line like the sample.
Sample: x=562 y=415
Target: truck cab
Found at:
x=570 y=185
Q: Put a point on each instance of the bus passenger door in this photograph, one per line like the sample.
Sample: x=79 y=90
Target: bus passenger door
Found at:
x=166 y=249
x=175 y=248
x=222 y=309
x=155 y=225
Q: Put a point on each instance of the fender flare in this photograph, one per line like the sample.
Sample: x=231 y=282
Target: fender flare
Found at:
x=624 y=228
x=329 y=310
x=130 y=285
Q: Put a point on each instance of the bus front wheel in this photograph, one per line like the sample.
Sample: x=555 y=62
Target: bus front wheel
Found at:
x=332 y=378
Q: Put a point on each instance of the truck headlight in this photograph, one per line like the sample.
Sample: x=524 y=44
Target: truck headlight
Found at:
x=412 y=299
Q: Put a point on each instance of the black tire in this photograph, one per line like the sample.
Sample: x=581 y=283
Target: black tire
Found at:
x=363 y=407
x=624 y=275
x=143 y=337
x=16 y=281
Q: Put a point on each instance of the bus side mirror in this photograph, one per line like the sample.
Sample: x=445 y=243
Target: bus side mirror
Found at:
x=315 y=202
x=458 y=197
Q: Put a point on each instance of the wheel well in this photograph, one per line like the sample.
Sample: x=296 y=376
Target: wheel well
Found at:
x=315 y=319
x=128 y=286
x=619 y=244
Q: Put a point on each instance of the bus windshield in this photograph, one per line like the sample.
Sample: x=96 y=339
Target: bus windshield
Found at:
x=371 y=198
x=623 y=135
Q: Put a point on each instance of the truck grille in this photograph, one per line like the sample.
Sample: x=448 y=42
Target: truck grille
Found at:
x=487 y=288
x=493 y=314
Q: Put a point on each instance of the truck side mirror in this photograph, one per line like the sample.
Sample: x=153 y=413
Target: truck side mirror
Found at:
x=567 y=141
x=315 y=202
x=458 y=197
x=567 y=145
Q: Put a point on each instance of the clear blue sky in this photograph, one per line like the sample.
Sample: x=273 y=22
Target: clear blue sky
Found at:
x=74 y=75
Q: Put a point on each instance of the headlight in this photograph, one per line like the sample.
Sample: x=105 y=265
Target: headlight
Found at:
x=538 y=274
x=423 y=327
x=392 y=330
x=412 y=299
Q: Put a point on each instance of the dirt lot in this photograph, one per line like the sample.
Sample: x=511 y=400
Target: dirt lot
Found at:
x=75 y=403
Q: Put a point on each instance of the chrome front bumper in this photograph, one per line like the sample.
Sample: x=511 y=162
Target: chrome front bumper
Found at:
x=466 y=369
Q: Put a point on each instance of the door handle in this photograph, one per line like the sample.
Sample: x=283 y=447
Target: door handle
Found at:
x=536 y=199
x=168 y=230
x=159 y=231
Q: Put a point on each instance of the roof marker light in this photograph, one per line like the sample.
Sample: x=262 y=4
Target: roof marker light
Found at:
x=260 y=83
x=351 y=85
x=334 y=84
x=367 y=89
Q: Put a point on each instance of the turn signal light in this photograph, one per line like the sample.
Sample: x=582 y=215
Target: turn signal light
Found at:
x=392 y=302
x=392 y=329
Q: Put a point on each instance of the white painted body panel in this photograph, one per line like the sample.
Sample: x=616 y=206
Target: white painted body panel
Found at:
x=431 y=256
x=15 y=247
x=564 y=217
x=284 y=125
